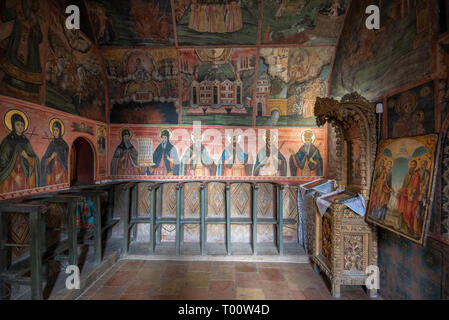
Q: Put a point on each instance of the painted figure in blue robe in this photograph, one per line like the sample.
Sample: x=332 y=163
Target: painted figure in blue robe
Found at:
x=270 y=161
x=165 y=157
x=196 y=160
x=233 y=161
x=307 y=161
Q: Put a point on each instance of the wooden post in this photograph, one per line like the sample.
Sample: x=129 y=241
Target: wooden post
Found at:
x=206 y=187
x=152 y=219
x=36 y=254
x=255 y=189
x=202 y=235
x=126 y=222
x=228 y=218
x=72 y=231
x=159 y=213
x=281 y=220
x=181 y=225
x=110 y=210
x=134 y=207
x=97 y=229
x=178 y=217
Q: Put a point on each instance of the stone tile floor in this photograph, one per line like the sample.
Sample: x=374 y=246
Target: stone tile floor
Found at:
x=211 y=280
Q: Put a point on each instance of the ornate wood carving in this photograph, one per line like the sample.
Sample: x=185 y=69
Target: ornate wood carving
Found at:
x=353 y=243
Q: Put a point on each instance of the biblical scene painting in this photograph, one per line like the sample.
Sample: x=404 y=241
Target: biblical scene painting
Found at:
x=74 y=78
x=22 y=48
x=401 y=189
x=412 y=113
x=131 y=22
x=217 y=86
x=211 y=151
x=216 y=22
x=289 y=80
x=143 y=85
x=303 y=21
x=377 y=61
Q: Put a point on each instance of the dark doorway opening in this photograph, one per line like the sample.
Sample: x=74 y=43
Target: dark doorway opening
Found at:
x=259 y=109
x=82 y=162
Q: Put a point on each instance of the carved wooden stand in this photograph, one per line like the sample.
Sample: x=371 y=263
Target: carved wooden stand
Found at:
x=344 y=243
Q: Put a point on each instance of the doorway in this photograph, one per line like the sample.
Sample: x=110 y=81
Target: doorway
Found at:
x=82 y=163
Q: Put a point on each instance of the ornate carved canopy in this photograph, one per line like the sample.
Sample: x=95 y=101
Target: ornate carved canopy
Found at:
x=352 y=114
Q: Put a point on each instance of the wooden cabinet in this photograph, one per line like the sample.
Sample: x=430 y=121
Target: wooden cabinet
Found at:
x=344 y=244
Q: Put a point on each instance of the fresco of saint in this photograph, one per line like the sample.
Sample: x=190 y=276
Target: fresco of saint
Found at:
x=124 y=161
x=408 y=197
x=382 y=191
x=307 y=161
x=196 y=160
x=22 y=66
x=233 y=159
x=54 y=164
x=165 y=157
x=270 y=161
x=19 y=165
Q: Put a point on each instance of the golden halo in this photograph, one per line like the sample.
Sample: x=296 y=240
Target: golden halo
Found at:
x=313 y=136
x=8 y=116
x=404 y=99
x=52 y=121
x=125 y=128
x=170 y=133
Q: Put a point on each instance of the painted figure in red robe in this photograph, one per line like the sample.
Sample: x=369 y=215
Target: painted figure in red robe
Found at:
x=408 y=196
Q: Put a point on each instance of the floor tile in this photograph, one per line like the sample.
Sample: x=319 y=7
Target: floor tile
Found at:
x=120 y=278
x=249 y=294
x=223 y=272
x=214 y=280
x=271 y=274
x=221 y=289
x=245 y=267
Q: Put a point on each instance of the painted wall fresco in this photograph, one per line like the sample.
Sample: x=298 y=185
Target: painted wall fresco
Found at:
x=35 y=147
x=217 y=22
x=305 y=21
x=131 y=22
x=374 y=62
x=444 y=185
x=74 y=76
x=407 y=270
x=217 y=85
x=443 y=75
x=411 y=112
x=161 y=153
x=22 y=62
x=289 y=80
x=143 y=85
